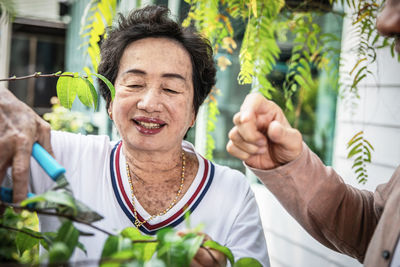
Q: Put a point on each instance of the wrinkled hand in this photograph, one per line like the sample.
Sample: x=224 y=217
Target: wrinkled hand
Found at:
x=262 y=137
x=20 y=127
x=206 y=257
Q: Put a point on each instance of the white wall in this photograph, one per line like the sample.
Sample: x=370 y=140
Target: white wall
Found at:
x=39 y=9
x=377 y=114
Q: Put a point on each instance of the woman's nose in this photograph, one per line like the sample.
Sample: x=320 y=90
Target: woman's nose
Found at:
x=388 y=21
x=150 y=101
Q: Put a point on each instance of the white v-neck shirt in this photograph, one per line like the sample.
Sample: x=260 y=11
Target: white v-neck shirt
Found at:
x=219 y=198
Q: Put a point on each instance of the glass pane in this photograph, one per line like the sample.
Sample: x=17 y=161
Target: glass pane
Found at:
x=19 y=64
x=49 y=59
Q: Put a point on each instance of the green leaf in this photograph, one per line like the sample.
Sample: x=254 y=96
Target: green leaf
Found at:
x=93 y=93
x=66 y=90
x=69 y=235
x=192 y=243
x=82 y=247
x=57 y=197
x=247 y=262
x=227 y=252
x=59 y=253
x=145 y=251
x=115 y=244
x=26 y=242
x=84 y=92
x=355 y=150
x=108 y=83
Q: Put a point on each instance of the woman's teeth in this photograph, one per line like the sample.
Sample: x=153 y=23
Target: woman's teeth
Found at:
x=149 y=125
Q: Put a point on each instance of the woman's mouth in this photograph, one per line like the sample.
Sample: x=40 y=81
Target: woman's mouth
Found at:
x=148 y=126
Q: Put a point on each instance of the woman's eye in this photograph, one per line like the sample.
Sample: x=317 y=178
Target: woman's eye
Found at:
x=135 y=86
x=170 y=91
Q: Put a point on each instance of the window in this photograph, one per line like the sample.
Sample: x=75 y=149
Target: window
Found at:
x=36 y=46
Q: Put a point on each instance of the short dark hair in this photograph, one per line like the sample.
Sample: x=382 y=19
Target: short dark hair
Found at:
x=153 y=21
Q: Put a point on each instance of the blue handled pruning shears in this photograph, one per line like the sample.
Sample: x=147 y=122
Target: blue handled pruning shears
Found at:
x=49 y=165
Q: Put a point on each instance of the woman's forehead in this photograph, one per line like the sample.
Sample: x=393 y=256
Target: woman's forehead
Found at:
x=156 y=55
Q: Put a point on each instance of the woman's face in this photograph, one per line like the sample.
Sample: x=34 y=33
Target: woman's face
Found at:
x=153 y=104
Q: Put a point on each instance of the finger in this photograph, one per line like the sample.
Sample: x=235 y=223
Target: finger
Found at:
x=44 y=136
x=205 y=258
x=195 y=263
x=3 y=171
x=249 y=131
x=236 y=151
x=250 y=148
x=20 y=170
x=285 y=136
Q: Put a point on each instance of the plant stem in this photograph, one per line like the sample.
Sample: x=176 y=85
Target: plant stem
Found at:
x=69 y=217
x=20 y=230
x=36 y=75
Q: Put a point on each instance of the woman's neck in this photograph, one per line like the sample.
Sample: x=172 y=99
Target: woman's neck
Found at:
x=153 y=166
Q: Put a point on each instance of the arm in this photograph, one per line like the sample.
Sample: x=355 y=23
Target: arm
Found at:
x=337 y=215
x=20 y=127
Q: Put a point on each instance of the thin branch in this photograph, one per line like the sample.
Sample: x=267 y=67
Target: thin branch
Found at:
x=37 y=75
x=56 y=214
x=20 y=230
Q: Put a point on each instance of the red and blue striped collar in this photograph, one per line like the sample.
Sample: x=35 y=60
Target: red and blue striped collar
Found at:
x=173 y=217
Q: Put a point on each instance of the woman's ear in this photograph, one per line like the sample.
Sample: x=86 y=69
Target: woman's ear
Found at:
x=110 y=110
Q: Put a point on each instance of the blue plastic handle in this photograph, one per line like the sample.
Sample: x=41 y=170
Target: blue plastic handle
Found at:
x=47 y=162
x=7 y=193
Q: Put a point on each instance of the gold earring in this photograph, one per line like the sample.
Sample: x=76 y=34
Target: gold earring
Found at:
x=110 y=114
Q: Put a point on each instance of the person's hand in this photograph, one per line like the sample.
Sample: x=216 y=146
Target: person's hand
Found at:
x=262 y=137
x=207 y=257
x=20 y=127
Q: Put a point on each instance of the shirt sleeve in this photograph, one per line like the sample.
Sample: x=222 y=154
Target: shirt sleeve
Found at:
x=339 y=216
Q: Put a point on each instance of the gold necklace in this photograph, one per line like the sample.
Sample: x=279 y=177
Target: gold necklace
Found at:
x=139 y=223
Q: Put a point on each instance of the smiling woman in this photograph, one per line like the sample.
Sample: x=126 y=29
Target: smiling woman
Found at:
x=151 y=177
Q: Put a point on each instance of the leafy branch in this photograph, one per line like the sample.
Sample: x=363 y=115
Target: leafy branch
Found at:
x=72 y=84
x=360 y=149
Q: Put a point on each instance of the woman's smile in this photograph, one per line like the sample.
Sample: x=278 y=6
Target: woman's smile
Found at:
x=146 y=125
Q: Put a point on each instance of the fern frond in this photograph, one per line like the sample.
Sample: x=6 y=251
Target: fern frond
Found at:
x=360 y=149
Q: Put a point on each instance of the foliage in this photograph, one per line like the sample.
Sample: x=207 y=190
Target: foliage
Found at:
x=212 y=113
x=360 y=149
x=268 y=23
x=98 y=15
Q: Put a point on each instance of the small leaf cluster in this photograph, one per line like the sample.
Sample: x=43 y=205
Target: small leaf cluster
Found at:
x=360 y=149
x=70 y=85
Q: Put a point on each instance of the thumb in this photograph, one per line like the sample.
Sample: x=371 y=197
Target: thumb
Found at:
x=287 y=137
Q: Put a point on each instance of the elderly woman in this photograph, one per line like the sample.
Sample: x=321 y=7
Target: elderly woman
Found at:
x=152 y=177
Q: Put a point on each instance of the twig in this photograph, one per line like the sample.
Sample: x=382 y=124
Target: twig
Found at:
x=20 y=230
x=56 y=214
x=37 y=75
